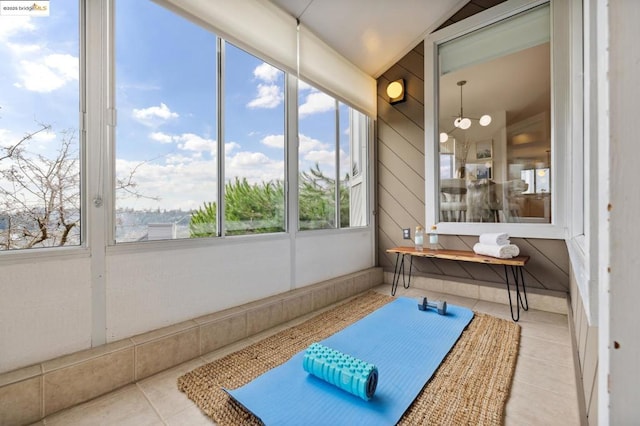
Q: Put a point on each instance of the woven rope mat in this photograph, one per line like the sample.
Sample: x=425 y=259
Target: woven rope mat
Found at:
x=470 y=387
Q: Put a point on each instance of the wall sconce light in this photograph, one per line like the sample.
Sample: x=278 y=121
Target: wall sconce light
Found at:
x=396 y=92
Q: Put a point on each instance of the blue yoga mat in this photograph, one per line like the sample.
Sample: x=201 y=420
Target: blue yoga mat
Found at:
x=405 y=344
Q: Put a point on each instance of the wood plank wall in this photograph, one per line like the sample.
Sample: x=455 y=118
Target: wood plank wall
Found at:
x=587 y=342
x=401 y=198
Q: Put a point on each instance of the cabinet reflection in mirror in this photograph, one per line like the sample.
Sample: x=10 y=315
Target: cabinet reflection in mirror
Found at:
x=494 y=90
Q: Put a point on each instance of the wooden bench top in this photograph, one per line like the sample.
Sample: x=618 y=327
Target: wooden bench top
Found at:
x=462 y=255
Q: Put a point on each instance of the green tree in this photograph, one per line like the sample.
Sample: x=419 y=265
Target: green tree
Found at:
x=259 y=208
x=317 y=200
x=249 y=209
x=203 y=221
x=253 y=208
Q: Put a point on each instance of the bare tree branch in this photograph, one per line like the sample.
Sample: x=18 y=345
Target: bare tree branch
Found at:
x=129 y=186
x=40 y=194
x=11 y=150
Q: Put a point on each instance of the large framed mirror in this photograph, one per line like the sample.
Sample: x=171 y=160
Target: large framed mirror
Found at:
x=490 y=128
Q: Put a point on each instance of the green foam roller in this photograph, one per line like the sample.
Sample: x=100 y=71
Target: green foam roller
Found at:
x=350 y=374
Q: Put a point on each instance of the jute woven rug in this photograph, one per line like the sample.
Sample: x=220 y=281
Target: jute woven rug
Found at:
x=471 y=386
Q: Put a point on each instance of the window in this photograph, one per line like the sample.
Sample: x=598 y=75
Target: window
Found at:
x=332 y=153
x=40 y=142
x=318 y=127
x=166 y=137
x=353 y=167
x=498 y=128
x=254 y=144
x=494 y=112
x=200 y=145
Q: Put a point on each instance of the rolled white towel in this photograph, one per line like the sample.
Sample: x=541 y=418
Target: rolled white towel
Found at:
x=506 y=251
x=496 y=239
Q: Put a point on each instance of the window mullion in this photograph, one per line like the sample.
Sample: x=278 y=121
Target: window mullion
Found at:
x=221 y=152
x=337 y=160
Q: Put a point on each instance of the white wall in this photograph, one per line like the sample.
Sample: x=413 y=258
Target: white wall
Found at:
x=321 y=256
x=619 y=344
x=149 y=289
x=46 y=303
x=45 y=309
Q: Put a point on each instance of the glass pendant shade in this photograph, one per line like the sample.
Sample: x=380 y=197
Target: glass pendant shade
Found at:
x=465 y=123
x=485 y=120
x=444 y=137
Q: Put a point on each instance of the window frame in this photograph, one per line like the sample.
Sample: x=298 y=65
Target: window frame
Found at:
x=221 y=46
x=560 y=103
x=79 y=250
x=362 y=131
x=362 y=175
x=291 y=141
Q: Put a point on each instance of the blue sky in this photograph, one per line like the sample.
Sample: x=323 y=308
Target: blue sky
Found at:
x=166 y=100
x=166 y=93
x=39 y=77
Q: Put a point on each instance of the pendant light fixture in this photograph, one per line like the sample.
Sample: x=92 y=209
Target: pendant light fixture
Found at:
x=462 y=122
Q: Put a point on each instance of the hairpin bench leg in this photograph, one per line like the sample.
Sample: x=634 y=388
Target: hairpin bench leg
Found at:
x=408 y=283
x=518 y=278
x=396 y=274
x=525 y=303
x=398 y=270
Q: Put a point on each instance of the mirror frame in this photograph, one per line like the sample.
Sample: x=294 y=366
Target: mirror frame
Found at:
x=560 y=113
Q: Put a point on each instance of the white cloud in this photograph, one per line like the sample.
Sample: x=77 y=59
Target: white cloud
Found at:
x=269 y=96
x=229 y=147
x=180 y=183
x=195 y=143
x=273 y=141
x=9 y=138
x=266 y=73
x=302 y=86
x=37 y=68
x=22 y=48
x=322 y=157
x=314 y=151
x=186 y=142
x=12 y=25
x=256 y=167
x=316 y=102
x=248 y=159
x=308 y=144
x=179 y=159
x=46 y=136
x=187 y=181
x=66 y=65
x=161 y=137
x=6 y=138
x=150 y=116
x=48 y=73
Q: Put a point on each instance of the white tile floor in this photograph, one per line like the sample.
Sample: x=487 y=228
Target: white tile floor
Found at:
x=544 y=390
